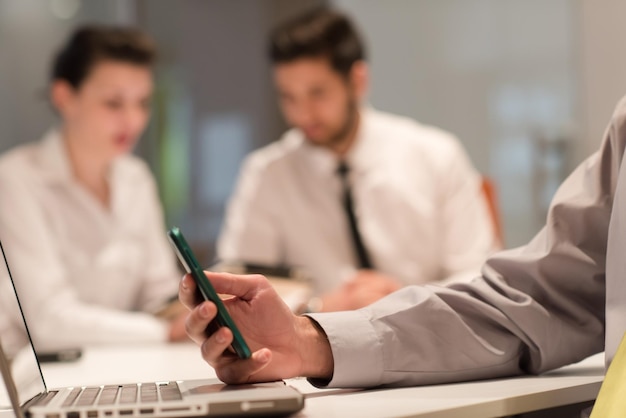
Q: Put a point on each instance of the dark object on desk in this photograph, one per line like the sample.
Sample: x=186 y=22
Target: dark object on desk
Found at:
x=60 y=356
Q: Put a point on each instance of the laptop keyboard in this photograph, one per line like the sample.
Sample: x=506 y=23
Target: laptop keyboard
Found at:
x=123 y=394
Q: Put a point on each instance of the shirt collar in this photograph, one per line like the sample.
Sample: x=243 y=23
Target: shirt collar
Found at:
x=53 y=158
x=55 y=161
x=363 y=152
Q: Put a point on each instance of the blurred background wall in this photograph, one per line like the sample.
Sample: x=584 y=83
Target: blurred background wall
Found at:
x=527 y=86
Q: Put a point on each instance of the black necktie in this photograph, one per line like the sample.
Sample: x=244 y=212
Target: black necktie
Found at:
x=348 y=206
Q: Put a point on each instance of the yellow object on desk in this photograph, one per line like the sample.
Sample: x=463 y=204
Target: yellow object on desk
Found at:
x=611 y=401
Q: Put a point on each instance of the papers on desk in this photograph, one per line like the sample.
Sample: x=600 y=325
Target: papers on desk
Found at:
x=292 y=284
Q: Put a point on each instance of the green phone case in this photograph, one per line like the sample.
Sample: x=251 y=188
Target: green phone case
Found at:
x=191 y=265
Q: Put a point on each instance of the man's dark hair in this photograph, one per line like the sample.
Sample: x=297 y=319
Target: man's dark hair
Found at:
x=320 y=33
x=91 y=44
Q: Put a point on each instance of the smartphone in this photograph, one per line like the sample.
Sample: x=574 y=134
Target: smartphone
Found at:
x=191 y=265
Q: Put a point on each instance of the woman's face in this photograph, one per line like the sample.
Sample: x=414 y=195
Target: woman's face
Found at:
x=108 y=112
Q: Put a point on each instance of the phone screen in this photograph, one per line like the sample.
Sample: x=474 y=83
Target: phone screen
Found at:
x=191 y=265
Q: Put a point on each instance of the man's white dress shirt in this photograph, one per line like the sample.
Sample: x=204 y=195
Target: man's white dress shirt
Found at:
x=418 y=201
x=85 y=274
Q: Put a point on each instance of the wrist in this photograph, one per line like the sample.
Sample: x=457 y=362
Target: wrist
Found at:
x=313 y=305
x=316 y=356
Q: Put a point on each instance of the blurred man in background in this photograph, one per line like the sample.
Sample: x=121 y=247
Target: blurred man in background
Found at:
x=365 y=201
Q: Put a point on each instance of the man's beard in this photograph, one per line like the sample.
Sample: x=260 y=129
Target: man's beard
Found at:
x=336 y=139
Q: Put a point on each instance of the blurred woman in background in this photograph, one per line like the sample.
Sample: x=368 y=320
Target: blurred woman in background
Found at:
x=80 y=217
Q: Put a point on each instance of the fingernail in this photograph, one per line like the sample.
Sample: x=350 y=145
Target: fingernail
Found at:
x=219 y=337
x=263 y=356
x=204 y=313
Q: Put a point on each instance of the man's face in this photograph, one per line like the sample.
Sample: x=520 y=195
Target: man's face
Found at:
x=318 y=100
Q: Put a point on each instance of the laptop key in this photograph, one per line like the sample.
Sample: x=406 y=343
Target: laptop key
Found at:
x=71 y=397
x=170 y=392
x=108 y=395
x=129 y=394
x=45 y=400
x=149 y=392
x=88 y=397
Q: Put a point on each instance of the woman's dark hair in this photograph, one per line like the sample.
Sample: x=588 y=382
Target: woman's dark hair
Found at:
x=91 y=44
x=320 y=33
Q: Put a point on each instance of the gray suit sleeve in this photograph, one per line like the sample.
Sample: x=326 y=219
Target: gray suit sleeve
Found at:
x=535 y=308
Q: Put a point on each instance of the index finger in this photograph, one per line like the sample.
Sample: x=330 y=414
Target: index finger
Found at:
x=242 y=286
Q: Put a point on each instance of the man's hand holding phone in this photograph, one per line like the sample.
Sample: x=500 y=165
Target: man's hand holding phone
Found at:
x=284 y=345
x=254 y=318
x=206 y=291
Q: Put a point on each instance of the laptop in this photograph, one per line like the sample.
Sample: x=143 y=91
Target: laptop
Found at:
x=27 y=394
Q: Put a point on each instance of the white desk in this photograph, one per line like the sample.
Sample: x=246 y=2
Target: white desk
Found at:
x=493 y=398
